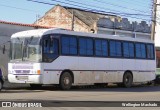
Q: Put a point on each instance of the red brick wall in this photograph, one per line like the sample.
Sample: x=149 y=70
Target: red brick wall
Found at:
x=158 y=58
x=158 y=54
x=61 y=18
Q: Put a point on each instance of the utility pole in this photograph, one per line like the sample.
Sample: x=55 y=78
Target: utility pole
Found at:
x=154 y=20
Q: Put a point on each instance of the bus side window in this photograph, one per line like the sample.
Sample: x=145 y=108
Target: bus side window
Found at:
x=115 y=48
x=69 y=45
x=140 y=50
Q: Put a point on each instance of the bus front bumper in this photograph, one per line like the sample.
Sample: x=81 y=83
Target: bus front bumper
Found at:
x=31 y=79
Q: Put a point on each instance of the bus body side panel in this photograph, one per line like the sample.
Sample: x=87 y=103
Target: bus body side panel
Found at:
x=53 y=70
x=50 y=76
x=86 y=70
x=108 y=69
x=144 y=70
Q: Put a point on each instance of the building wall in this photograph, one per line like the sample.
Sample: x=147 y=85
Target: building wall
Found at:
x=124 y=28
x=61 y=18
x=158 y=60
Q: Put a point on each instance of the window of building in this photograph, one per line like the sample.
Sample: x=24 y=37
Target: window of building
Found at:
x=140 y=50
x=69 y=45
x=101 y=47
x=86 y=46
x=115 y=48
x=128 y=49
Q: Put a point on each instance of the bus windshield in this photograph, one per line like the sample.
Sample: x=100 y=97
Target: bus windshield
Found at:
x=26 y=49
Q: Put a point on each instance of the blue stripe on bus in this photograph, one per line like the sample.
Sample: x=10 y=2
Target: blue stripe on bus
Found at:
x=99 y=70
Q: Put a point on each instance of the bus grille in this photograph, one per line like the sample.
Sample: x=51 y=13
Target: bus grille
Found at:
x=22 y=67
x=22 y=71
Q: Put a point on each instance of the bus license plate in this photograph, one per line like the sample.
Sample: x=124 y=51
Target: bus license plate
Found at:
x=22 y=77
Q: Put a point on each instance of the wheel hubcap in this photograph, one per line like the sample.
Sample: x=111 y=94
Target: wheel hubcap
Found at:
x=127 y=80
x=66 y=81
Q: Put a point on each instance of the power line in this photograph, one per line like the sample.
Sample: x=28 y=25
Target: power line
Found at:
x=100 y=1
x=105 y=8
x=140 y=4
x=97 y=7
x=33 y=11
x=71 y=4
x=99 y=10
x=88 y=9
x=80 y=6
x=41 y=2
x=52 y=4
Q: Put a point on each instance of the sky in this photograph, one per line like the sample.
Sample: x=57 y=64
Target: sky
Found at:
x=27 y=11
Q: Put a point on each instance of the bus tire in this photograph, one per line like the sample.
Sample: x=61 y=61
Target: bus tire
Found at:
x=127 y=79
x=157 y=80
x=65 y=81
x=35 y=86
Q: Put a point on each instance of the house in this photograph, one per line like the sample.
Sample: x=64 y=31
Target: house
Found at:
x=87 y=21
x=72 y=19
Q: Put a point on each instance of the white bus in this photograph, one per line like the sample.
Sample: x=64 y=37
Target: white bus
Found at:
x=67 y=58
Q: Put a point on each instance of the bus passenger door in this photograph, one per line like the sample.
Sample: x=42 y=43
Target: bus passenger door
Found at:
x=50 y=53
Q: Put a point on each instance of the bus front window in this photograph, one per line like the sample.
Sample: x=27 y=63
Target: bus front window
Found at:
x=26 y=49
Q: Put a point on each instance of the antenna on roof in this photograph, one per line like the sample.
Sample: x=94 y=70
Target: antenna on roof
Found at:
x=37 y=17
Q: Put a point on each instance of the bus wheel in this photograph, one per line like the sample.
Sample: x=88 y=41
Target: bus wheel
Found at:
x=35 y=86
x=127 y=79
x=65 y=81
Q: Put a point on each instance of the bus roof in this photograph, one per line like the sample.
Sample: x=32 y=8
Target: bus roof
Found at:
x=41 y=32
